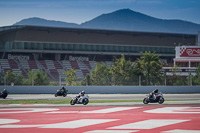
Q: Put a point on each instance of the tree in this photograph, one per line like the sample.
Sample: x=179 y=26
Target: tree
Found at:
x=86 y=80
x=121 y=71
x=149 y=65
x=71 y=77
x=18 y=79
x=197 y=76
x=1 y=78
x=98 y=76
x=37 y=77
x=175 y=78
x=11 y=77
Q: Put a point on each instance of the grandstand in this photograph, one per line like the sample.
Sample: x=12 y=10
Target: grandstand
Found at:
x=55 y=50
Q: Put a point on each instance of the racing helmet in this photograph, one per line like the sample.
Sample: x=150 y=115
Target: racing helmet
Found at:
x=83 y=92
x=156 y=90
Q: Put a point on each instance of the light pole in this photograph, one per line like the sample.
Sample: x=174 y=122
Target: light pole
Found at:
x=139 y=80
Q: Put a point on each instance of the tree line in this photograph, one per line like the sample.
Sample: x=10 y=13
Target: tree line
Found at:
x=146 y=70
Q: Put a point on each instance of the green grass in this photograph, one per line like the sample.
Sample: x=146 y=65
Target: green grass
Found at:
x=67 y=101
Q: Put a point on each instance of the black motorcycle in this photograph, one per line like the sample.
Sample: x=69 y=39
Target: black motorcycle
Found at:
x=4 y=94
x=80 y=100
x=149 y=99
x=61 y=92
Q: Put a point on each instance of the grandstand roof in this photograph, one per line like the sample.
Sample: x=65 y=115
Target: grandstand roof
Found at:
x=103 y=31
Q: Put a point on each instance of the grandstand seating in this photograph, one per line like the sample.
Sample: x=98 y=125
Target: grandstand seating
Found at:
x=66 y=64
x=57 y=65
x=85 y=72
x=74 y=65
x=87 y=63
x=4 y=64
x=13 y=64
x=92 y=64
x=54 y=73
x=43 y=64
x=24 y=64
x=53 y=68
x=32 y=64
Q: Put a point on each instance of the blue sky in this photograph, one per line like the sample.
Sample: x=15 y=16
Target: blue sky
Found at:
x=79 y=11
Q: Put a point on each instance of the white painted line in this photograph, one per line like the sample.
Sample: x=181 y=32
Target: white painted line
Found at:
x=19 y=126
x=25 y=110
x=112 y=131
x=70 y=124
x=148 y=124
x=6 y=121
x=62 y=112
x=176 y=110
x=78 y=123
x=181 y=131
x=110 y=110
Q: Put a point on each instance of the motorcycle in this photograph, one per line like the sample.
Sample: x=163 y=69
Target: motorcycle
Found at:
x=80 y=100
x=149 y=99
x=4 y=94
x=61 y=92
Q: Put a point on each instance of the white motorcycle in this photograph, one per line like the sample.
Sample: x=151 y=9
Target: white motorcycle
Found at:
x=80 y=100
x=158 y=99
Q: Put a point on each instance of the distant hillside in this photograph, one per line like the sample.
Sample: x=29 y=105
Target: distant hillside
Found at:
x=124 y=19
x=43 y=22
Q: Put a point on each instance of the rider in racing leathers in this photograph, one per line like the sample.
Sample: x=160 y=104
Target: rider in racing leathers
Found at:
x=81 y=94
x=153 y=94
x=63 y=90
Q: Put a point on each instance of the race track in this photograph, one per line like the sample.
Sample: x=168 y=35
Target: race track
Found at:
x=101 y=96
x=109 y=119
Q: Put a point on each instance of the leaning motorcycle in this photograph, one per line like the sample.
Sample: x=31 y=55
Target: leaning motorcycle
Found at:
x=3 y=94
x=149 y=99
x=60 y=92
x=80 y=100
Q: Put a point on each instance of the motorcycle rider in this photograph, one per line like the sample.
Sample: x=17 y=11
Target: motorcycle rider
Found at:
x=153 y=94
x=63 y=89
x=80 y=95
x=4 y=91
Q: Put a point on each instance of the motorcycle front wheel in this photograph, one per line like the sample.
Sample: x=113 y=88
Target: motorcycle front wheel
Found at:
x=161 y=100
x=85 y=101
x=145 y=101
x=72 y=102
x=64 y=95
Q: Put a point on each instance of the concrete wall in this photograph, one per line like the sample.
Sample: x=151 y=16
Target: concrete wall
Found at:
x=100 y=89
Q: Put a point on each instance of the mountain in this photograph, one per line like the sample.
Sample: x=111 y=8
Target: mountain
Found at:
x=124 y=19
x=43 y=22
x=127 y=19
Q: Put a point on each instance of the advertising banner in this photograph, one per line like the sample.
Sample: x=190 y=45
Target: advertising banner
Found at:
x=189 y=51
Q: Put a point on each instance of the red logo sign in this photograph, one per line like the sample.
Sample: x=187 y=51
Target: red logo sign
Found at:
x=189 y=52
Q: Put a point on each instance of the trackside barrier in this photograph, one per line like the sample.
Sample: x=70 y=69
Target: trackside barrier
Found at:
x=100 y=89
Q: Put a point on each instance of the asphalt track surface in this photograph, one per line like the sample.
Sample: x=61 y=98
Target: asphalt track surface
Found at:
x=184 y=99
x=101 y=96
x=101 y=119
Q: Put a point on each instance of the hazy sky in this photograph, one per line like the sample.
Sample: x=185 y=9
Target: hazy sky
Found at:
x=79 y=11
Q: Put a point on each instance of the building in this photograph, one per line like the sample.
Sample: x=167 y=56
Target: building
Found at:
x=54 y=50
x=187 y=60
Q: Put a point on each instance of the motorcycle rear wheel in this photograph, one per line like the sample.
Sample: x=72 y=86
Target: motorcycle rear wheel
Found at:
x=145 y=101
